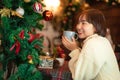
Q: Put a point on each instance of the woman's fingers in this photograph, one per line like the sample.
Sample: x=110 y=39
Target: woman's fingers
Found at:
x=70 y=45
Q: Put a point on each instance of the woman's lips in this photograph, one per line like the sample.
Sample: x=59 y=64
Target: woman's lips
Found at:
x=79 y=33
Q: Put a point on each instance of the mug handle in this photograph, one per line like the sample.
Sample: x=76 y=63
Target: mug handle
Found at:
x=76 y=36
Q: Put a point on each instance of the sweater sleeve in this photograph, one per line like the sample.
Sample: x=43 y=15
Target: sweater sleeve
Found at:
x=72 y=63
x=89 y=62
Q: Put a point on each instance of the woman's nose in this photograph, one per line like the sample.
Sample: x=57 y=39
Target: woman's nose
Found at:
x=79 y=26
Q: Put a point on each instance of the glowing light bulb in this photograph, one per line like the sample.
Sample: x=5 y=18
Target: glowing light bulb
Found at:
x=53 y=6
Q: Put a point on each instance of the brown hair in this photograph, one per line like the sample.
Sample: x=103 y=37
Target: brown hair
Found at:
x=95 y=17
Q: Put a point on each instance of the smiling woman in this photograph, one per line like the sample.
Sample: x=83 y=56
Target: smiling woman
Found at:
x=92 y=29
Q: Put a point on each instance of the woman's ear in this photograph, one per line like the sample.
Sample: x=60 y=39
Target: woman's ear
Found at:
x=95 y=30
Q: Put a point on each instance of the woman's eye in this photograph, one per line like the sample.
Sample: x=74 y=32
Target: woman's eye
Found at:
x=84 y=22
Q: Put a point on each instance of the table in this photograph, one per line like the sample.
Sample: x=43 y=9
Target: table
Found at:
x=61 y=73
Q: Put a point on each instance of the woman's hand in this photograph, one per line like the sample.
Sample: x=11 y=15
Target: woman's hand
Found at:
x=70 y=45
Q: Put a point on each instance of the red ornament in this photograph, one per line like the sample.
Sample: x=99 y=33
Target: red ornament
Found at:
x=37 y=7
x=21 y=34
x=29 y=57
x=47 y=15
x=62 y=55
x=32 y=37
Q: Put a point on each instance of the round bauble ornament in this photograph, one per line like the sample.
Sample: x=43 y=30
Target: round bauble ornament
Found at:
x=20 y=11
x=48 y=15
x=62 y=55
x=29 y=57
x=27 y=1
x=37 y=7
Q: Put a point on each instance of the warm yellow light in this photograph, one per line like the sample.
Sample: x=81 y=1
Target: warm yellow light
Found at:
x=52 y=4
x=77 y=0
x=106 y=0
x=118 y=1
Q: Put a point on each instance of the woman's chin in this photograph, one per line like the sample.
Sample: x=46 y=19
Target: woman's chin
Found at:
x=81 y=37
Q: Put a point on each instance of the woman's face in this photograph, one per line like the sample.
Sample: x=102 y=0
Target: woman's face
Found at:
x=84 y=28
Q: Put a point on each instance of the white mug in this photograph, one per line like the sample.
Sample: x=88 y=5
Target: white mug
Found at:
x=70 y=34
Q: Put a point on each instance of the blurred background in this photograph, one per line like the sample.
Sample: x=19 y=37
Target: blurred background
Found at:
x=32 y=27
x=64 y=14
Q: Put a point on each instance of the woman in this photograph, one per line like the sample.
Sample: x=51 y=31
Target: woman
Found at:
x=96 y=59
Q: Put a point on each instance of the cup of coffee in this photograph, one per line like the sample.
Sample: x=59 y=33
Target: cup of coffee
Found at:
x=70 y=34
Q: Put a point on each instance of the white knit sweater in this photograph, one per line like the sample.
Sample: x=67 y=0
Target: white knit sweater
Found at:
x=95 y=61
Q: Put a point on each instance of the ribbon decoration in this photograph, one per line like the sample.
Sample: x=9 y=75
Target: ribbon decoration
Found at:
x=5 y=12
x=17 y=43
x=21 y=34
x=9 y=12
x=17 y=46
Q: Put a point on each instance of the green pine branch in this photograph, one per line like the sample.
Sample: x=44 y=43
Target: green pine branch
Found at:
x=19 y=66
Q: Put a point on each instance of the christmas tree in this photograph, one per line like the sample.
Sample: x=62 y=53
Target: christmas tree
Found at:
x=20 y=44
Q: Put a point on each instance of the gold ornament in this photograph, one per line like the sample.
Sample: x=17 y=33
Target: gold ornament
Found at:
x=14 y=13
x=30 y=61
x=8 y=12
x=27 y=1
x=5 y=12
